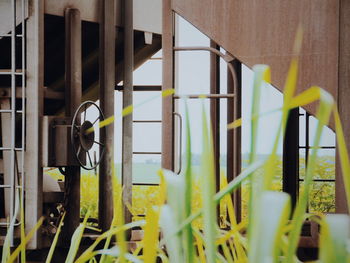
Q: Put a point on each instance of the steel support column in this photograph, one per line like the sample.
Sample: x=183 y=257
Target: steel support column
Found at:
x=127 y=148
x=234 y=111
x=107 y=84
x=168 y=83
x=34 y=112
x=291 y=156
x=343 y=97
x=73 y=93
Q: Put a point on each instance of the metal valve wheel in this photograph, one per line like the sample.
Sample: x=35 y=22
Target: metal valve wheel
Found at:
x=83 y=133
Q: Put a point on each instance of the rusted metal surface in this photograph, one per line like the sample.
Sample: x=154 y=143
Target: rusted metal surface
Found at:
x=34 y=112
x=267 y=37
x=234 y=111
x=168 y=83
x=343 y=98
x=73 y=93
x=215 y=112
x=107 y=83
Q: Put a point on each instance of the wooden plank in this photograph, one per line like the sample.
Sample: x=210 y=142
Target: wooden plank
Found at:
x=107 y=83
x=73 y=93
x=262 y=32
x=34 y=112
x=168 y=83
x=344 y=98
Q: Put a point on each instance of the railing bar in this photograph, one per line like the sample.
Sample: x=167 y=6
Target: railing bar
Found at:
x=205 y=96
x=147 y=121
x=145 y=184
x=23 y=100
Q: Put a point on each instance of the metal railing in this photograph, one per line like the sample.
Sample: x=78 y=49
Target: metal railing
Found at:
x=15 y=173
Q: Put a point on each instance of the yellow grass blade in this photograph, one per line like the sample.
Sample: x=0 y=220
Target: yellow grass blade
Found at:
x=88 y=253
x=150 y=241
x=75 y=241
x=54 y=242
x=343 y=153
x=24 y=242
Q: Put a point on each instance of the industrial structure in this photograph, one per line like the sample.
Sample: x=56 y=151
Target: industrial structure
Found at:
x=57 y=58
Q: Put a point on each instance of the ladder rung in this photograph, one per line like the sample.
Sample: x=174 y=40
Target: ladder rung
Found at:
x=145 y=184
x=147 y=121
x=147 y=152
x=9 y=149
x=18 y=72
x=205 y=96
x=10 y=35
x=10 y=111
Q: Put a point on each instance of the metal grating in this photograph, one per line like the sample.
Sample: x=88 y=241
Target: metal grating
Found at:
x=13 y=152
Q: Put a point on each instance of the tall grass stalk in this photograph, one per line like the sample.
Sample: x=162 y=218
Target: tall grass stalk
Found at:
x=176 y=231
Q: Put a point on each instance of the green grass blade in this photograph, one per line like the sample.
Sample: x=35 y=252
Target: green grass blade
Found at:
x=334 y=239
x=261 y=73
x=6 y=249
x=274 y=213
x=188 y=235
x=323 y=114
x=172 y=241
x=76 y=238
x=208 y=192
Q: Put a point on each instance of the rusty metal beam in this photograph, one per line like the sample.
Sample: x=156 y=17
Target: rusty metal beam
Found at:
x=343 y=98
x=34 y=112
x=127 y=133
x=215 y=112
x=168 y=83
x=107 y=83
x=73 y=93
x=234 y=111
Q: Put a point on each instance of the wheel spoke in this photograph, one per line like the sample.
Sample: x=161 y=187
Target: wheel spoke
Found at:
x=79 y=149
x=96 y=120
x=99 y=143
x=89 y=158
x=85 y=112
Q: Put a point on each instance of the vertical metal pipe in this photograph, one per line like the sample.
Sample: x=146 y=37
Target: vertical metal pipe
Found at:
x=13 y=111
x=107 y=84
x=127 y=148
x=215 y=112
x=23 y=98
x=13 y=101
x=234 y=112
x=167 y=83
x=73 y=94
